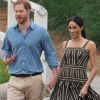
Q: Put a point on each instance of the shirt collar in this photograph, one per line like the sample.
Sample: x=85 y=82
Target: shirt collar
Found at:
x=31 y=26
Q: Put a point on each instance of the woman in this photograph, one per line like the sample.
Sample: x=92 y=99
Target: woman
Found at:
x=73 y=83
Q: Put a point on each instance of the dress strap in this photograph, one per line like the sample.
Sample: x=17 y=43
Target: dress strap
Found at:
x=66 y=44
x=85 y=44
x=62 y=59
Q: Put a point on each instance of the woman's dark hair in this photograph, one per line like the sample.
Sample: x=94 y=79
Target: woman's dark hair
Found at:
x=78 y=20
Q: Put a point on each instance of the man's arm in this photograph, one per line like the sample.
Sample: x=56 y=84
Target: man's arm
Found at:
x=51 y=58
x=7 y=56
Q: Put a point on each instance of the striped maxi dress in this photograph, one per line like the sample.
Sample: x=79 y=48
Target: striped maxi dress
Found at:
x=73 y=76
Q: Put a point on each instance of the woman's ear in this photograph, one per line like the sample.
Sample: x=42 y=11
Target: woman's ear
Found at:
x=82 y=28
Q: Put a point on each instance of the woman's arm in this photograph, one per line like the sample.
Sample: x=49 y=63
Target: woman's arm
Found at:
x=59 y=69
x=92 y=55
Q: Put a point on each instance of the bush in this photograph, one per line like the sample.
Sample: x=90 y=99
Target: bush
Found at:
x=4 y=76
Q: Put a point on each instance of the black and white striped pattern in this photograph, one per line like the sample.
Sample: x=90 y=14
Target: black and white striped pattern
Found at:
x=73 y=76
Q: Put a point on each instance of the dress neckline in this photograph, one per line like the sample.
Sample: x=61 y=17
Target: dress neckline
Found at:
x=77 y=48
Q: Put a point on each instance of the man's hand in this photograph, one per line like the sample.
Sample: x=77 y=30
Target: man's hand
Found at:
x=53 y=79
x=8 y=60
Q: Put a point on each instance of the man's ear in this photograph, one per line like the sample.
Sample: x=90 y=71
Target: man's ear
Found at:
x=29 y=11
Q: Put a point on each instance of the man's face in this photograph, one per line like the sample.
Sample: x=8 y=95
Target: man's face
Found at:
x=21 y=14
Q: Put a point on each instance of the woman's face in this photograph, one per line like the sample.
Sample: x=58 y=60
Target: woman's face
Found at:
x=74 y=29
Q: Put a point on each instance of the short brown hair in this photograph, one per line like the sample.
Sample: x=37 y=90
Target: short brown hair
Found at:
x=26 y=4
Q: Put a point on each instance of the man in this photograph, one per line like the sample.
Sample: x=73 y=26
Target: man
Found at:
x=22 y=47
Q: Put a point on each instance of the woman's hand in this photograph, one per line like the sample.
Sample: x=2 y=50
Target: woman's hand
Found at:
x=83 y=91
x=52 y=82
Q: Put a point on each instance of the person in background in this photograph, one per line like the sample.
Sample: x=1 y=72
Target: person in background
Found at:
x=73 y=83
x=22 y=48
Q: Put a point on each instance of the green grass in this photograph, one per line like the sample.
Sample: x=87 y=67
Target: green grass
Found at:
x=4 y=76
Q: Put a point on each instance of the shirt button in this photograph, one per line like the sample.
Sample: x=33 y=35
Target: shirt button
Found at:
x=23 y=63
x=19 y=49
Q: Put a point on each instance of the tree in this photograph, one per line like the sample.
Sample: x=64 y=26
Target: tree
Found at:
x=60 y=11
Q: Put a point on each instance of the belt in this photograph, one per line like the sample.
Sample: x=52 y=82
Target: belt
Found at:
x=25 y=75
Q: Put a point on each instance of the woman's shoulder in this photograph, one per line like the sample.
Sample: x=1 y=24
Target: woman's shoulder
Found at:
x=91 y=44
x=64 y=43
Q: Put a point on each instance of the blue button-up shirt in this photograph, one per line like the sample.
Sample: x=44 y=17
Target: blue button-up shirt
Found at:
x=28 y=49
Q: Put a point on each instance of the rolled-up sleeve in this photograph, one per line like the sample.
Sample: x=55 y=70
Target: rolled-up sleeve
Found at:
x=49 y=50
x=6 y=47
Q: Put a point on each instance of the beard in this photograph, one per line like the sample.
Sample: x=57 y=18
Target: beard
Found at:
x=21 y=20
